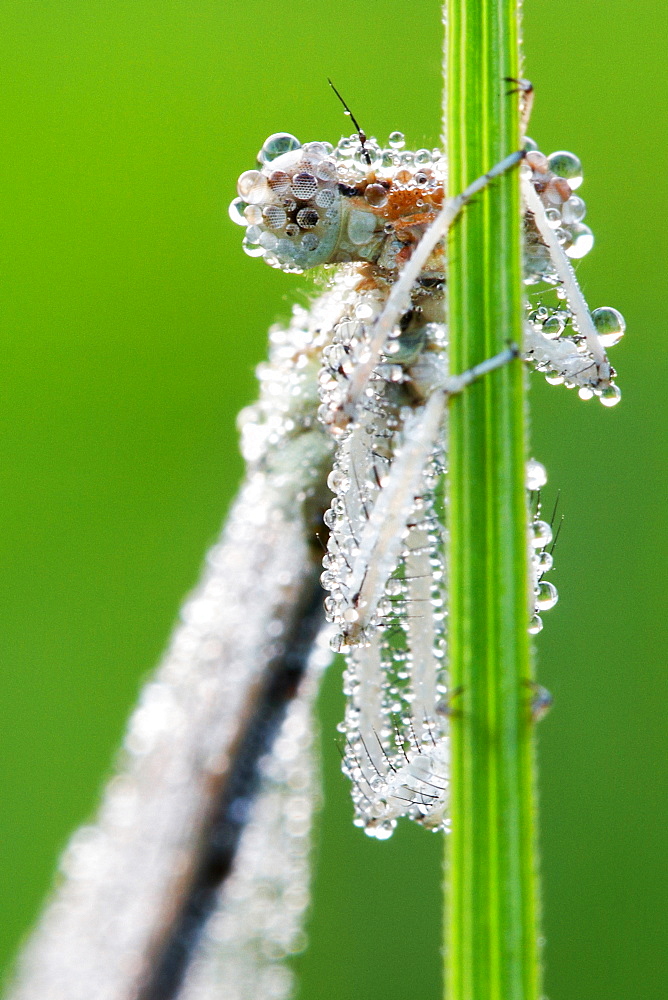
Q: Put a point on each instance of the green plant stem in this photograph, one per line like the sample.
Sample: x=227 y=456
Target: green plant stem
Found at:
x=491 y=926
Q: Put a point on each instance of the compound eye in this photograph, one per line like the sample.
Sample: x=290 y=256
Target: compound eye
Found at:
x=291 y=205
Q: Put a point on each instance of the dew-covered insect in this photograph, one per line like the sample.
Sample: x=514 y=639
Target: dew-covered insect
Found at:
x=373 y=351
x=195 y=870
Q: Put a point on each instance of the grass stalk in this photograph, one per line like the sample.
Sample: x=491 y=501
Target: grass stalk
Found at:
x=491 y=925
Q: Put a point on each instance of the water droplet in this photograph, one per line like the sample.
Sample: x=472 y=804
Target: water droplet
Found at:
x=268 y=241
x=535 y=625
x=253 y=215
x=553 y=327
x=345 y=147
x=546 y=595
x=325 y=197
x=236 y=211
x=274 y=216
x=251 y=250
x=304 y=185
x=337 y=643
x=276 y=145
x=541 y=534
x=573 y=210
x=330 y=518
x=537 y=161
x=361 y=227
x=364 y=310
x=403 y=178
x=253 y=234
x=567 y=165
x=611 y=395
x=609 y=324
x=381 y=832
x=307 y=218
x=553 y=216
x=544 y=562
x=279 y=182
x=376 y=195
x=536 y=476
x=253 y=187
x=397 y=140
x=361 y=158
x=326 y=171
x=582 y=240
x=338 y=483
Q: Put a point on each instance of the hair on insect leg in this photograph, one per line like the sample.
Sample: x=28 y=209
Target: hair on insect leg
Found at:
x=366 y=751
x=384 y=752
x=357 y=784
x=411 y=729
x=557 y=533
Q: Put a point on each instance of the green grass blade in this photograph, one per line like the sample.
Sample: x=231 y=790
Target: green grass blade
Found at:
x=491 y=935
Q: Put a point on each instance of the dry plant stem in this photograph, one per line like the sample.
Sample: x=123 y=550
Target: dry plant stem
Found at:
x=491 y=934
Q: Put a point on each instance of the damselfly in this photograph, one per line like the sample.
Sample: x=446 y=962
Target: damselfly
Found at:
x=196 y=869
x=383 y=384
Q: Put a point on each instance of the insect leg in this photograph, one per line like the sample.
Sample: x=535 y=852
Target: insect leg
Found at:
x=600 y=379
x=383 y=536
x=525 y=88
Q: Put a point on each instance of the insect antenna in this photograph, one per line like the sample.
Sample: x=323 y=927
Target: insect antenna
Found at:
x=361 y=134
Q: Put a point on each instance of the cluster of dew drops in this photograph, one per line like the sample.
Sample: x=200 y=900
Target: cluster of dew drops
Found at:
x=556 y=178
x=540 y=554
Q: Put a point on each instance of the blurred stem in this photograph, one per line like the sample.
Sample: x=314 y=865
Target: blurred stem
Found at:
x=491 y=937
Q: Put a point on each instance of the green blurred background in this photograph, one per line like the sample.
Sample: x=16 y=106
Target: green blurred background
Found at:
x=132 y=322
